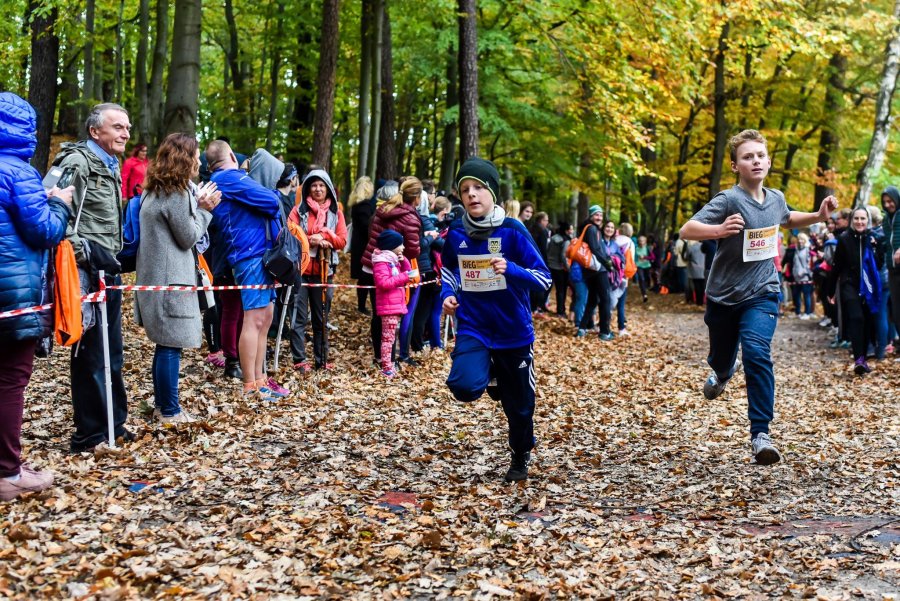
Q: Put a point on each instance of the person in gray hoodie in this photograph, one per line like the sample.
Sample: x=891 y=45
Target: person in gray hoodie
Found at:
x=890 y=202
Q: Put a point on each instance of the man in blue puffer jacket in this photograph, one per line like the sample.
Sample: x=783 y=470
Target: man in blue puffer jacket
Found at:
x=30 y=225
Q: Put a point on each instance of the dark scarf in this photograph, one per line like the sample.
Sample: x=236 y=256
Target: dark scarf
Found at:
x=481 y=229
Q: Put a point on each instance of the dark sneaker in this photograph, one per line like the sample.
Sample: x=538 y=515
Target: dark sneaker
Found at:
x=518 y=467
x=607 y=337
x=712 y=388
x=233 y=368
x=861 y=367
x=409 y=361
x=764 y=452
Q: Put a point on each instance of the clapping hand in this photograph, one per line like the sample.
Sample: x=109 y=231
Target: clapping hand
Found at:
x=208 y=196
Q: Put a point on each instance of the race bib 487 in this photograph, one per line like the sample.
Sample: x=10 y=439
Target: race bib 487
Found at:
x=477 y=275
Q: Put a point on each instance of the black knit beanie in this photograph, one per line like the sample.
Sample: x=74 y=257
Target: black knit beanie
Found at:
x=483 y=171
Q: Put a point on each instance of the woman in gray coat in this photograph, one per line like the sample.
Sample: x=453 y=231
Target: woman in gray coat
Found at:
x=173 y=218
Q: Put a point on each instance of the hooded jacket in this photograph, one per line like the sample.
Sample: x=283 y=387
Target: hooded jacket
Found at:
x=246 y=213
x=404 y=219
x=265 y=169
x=848 y=261
x=30 y=224
x=891 y=226
x=499 y=318
x=391 y=275
x=335 y=228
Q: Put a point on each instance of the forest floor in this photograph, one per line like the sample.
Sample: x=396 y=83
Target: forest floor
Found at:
x=357 y=487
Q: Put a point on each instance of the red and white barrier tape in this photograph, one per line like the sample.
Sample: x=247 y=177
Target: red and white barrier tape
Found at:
x=93 y=297
x=96 y=297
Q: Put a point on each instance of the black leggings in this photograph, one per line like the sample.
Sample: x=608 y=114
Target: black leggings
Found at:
x=598 y=296
x=858 y=322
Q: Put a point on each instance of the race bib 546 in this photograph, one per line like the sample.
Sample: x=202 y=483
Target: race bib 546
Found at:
x=760 y=244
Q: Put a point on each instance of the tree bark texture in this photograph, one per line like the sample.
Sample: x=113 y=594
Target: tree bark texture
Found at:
x=882 y=114
x=720 y=127
x=387 y=150
x=182 y=92
x=141 y=90
x=274 y=75
x=829 y=141
x=365 y=84
x=448 y=142
x=468 y=80
x=88 y=94
x=325 y=83
x=302 y=113
x=160 y=44
x=375 y=127
x=42 y=85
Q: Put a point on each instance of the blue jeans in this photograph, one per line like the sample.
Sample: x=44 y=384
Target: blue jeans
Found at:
x=404 y=332
x=750 y=324
x=579 y=299
x=803 y=293
x=882 y=320
x=166 y=363
x=620 y=308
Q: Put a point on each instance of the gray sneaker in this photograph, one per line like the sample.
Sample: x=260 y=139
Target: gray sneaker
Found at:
x=764 y=452
x=712 y=388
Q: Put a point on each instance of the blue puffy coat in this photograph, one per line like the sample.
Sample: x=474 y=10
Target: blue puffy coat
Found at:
x=30 y=224
x=241 y=219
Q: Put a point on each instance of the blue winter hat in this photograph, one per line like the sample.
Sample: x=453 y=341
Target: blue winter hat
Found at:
x=389 y=240
x=594 y=209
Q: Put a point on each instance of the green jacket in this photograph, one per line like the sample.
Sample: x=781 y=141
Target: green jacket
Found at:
x=101 y=218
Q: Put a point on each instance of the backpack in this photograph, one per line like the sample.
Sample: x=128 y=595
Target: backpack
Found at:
x=630 y=265
x=131 y=235
x=67 y=315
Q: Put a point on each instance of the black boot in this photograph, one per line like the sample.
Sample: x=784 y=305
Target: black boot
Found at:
x=233 y=369
x=518 y=467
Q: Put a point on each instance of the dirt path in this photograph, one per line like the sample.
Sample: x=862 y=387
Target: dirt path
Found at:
x=359 y=488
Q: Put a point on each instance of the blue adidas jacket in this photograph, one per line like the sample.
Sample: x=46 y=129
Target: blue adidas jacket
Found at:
x=242 y=217
x=500 y=319
x=30 y=224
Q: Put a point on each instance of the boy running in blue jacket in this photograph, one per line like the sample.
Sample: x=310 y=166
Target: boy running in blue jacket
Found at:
x=490 y=266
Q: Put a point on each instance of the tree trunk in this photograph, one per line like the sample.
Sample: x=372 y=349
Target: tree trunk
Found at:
x=232 y=55
x=302 y=113
x=377 y=47
x=387 y=150
x=143 y=93
x=882 y=114
x=274 y=74
x=829 y=141
x=365 y=84
x=720 y=127
x=88 y=94
x=448 y=143
x=69 y=97
x=647 y=183
x=182 y=92
x=468 y=80
x=42 y=85
x=325 y=83
x=684 y=147
x=118 y=76
x=160 y=45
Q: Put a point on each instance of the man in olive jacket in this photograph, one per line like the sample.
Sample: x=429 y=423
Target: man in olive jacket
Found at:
x=98 y=193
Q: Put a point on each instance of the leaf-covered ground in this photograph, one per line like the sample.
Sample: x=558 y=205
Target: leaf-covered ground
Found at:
x=356 y=487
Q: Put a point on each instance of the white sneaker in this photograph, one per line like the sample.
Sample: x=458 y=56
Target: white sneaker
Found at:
x=764 y=452
x=804 y=317
x=825 y=322
x=623 y=332
x=182 y=417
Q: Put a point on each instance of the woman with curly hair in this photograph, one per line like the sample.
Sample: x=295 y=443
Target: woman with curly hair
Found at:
x=174 y=216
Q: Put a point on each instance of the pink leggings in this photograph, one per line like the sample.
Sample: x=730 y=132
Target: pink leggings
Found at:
x=389 y=325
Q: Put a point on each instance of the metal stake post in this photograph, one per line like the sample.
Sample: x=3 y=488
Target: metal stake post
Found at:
x=104 y=330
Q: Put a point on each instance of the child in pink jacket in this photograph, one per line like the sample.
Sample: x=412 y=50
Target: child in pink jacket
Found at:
x=392 y=273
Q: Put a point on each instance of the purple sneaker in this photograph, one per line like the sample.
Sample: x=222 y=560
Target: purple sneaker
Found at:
x=860 y=367
x=276 y=388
